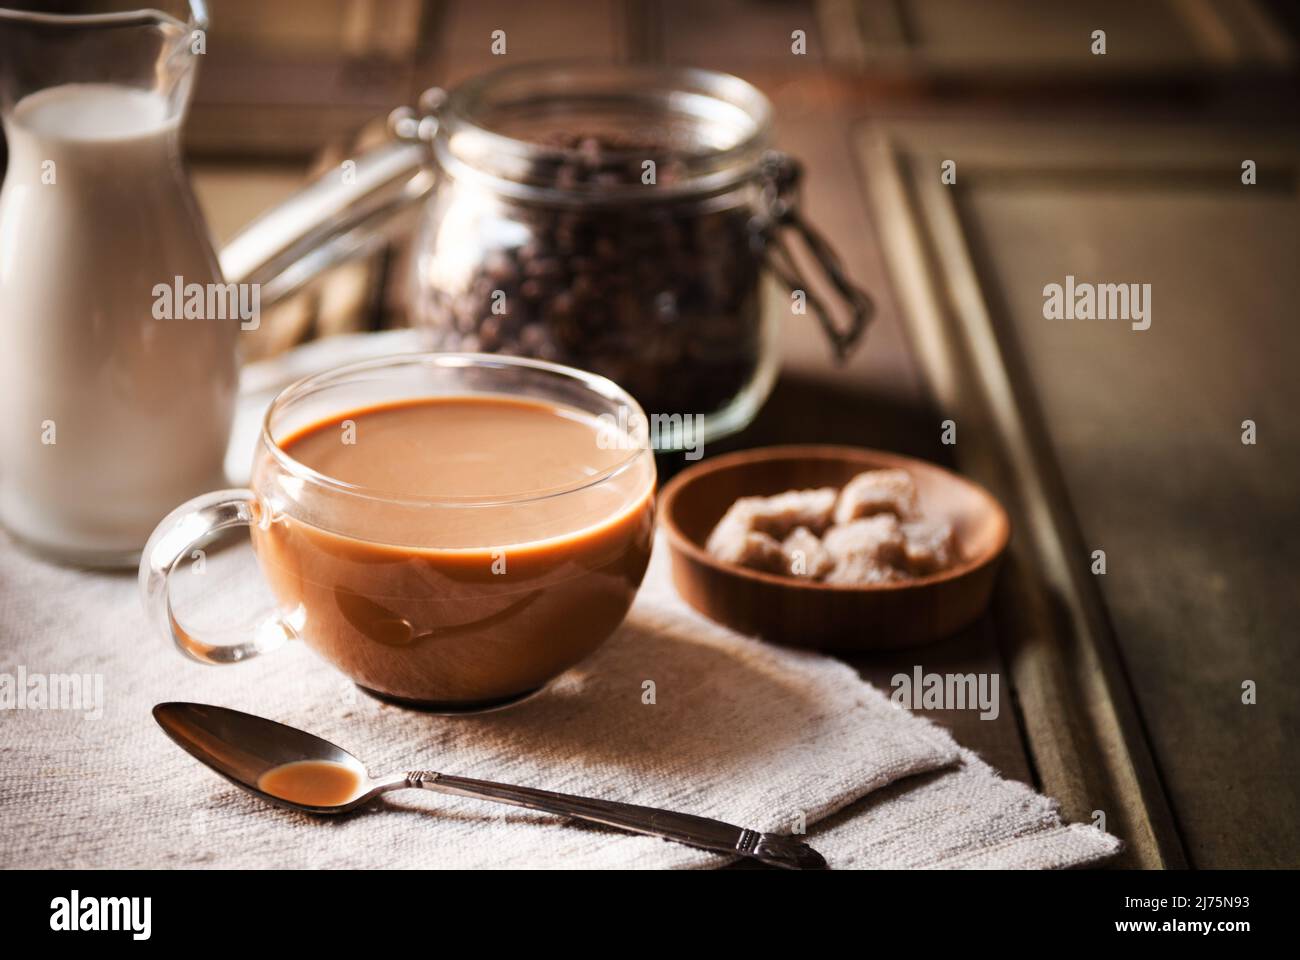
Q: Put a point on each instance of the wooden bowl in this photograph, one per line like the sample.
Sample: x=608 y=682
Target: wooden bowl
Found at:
x=830 y=616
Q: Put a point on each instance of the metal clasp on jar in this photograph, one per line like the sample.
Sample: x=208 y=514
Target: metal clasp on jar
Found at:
x=779 y=176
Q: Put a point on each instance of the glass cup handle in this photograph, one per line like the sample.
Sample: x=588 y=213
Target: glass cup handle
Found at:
x=189 y=526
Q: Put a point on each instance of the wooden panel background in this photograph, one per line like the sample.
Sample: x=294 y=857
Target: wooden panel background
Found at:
x=950 y=38
x=1128 y=441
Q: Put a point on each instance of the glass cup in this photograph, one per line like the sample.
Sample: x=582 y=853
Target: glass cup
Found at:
x=404 y=594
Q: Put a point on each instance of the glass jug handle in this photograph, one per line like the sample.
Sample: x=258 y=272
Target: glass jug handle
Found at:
x=339 y=215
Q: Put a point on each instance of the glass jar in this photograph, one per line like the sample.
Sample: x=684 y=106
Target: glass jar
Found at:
x=623 y=220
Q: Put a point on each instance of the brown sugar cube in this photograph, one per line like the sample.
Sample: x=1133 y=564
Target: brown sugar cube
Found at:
x=774 y=517
x=805 y=556
x=860 y=569
x=733 y=542
x=866 y=551
x=876 y=492
x=758 y=551
x=727 y=538
x=928 y=547
x=878 y=538
x=778 y=516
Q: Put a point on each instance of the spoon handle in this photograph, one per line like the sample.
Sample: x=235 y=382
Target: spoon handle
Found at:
x=682 y=827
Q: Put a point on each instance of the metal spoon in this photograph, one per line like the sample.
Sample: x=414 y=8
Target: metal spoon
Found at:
x=242 y=747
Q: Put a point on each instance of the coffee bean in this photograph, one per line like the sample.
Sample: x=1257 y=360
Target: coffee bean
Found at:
x=661 y=297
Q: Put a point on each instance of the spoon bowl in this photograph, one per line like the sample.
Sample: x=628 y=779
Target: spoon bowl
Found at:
x=243 y=748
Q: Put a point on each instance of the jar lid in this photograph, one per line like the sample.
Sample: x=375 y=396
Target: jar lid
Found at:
x=604 y=133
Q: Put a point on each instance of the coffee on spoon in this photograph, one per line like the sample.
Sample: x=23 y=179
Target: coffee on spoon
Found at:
x=313 y=783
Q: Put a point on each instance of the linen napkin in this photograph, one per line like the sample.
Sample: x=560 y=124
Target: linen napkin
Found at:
x=735 y=729
x=963 y=818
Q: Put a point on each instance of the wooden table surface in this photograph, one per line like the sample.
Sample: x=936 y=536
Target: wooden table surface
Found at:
x=1129 y=705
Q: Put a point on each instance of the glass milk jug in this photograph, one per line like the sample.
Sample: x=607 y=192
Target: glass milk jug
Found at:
x=115 y=400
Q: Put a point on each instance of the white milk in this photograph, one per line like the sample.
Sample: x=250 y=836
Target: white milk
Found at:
x=138 y=408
